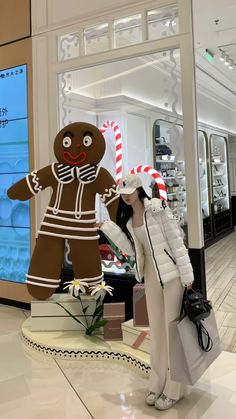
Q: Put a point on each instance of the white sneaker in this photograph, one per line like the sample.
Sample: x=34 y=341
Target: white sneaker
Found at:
x=151 y=397
x=164 y=403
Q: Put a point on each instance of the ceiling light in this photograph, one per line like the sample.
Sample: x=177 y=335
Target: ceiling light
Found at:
x=169 y=22
x=222 y=56
x=226 y=60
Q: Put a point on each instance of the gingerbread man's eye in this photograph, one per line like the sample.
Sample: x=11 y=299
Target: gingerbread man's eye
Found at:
x=66 y=142
x=87 y=141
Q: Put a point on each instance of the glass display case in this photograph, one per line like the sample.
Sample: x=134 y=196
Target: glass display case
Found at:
x=169 y=162
x=205 y=184
x=220 y=184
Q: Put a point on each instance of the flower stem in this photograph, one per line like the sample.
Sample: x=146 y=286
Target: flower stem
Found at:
x=83 y=311
x=70 y=314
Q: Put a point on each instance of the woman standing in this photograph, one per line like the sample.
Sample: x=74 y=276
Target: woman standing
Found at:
x=147 y=229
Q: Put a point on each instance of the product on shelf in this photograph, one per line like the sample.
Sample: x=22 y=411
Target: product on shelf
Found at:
x=173 y=173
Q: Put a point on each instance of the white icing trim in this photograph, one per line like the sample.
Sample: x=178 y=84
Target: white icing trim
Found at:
x=80 y=172
x=29 y=186
x=80 y=202
x=93 y=278
x=94 y=282
x=57 y=178
x=41 y=285
x=35 y=181
x=90 y=181
x=58 y=198
x=109 y=193
x=69 y=227
x=71 y=212
x=47 y=233
x=43 y=279
x=111 y=200
x=91 y=220
x=77 y=213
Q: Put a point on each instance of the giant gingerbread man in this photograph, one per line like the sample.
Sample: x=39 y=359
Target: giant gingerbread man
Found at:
x=75 y=180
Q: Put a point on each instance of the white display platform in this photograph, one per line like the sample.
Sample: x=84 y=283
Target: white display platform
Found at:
x=76 y=345
x=136 y=337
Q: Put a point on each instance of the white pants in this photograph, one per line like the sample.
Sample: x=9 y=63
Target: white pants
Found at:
x=163 y=306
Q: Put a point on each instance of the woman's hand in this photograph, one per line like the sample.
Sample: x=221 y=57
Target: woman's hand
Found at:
x=189 y=286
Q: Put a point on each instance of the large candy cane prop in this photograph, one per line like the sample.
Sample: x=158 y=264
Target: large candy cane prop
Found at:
x=158 y=178
x=116 y=130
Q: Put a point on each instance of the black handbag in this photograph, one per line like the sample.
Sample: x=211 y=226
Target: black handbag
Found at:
x=197 y=308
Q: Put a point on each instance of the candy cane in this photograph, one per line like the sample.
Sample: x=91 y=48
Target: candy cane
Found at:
x=158 y=178
x=116 y=130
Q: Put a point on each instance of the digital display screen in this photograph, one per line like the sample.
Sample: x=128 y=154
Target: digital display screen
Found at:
x=14 y=165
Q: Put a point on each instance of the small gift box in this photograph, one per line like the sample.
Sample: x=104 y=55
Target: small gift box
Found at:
x=136 y=337
x=140 y=306
x=114 y=313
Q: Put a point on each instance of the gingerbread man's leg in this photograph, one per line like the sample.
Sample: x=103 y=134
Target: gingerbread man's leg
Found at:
x=86 y=260
x=43 y=277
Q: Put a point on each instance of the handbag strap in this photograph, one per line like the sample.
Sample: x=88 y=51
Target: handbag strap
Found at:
x=182 y=310
x=204 y=339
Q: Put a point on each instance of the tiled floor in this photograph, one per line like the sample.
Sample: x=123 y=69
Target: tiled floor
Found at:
x=221 y=285
x=33 y=386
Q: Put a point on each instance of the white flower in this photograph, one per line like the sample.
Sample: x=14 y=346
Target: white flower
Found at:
x=100 y=290
x=75 y=286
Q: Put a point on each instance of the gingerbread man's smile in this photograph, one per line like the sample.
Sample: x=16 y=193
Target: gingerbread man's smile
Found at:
x=74 y=160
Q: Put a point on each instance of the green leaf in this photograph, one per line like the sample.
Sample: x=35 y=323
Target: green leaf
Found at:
x=99 y=316
x=85 y=309
x=71 y=315
x=95 y=326
x=97 y=311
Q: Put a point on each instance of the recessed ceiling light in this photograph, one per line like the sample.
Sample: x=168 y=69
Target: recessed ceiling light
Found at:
x=226 y=60
x=222 y=56
x=231 y=65
x=170 y=22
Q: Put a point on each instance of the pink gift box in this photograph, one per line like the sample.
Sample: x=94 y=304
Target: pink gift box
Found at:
x=114 y=313
x=140 y=314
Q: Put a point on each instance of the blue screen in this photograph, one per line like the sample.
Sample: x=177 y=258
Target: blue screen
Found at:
x=14 y=165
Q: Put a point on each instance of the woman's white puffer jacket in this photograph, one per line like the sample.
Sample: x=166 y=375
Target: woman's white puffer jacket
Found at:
x=170 y=256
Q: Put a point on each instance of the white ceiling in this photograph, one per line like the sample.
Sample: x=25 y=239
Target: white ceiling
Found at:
x=214 y=28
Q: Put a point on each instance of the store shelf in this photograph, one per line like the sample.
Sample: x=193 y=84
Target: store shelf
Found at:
x=164 y=161
x=219 y=198
x=171 y=168
x=219 y=186
x=221 y=209
x=168 y=177
x=215 y=163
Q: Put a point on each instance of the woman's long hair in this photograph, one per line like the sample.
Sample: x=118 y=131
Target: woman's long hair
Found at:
x=125 y=212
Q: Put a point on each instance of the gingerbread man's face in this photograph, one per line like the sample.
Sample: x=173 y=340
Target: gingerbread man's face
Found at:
x=78 y=144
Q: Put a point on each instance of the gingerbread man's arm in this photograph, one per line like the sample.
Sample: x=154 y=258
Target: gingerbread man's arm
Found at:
x=107 y=190
x=32 y=184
